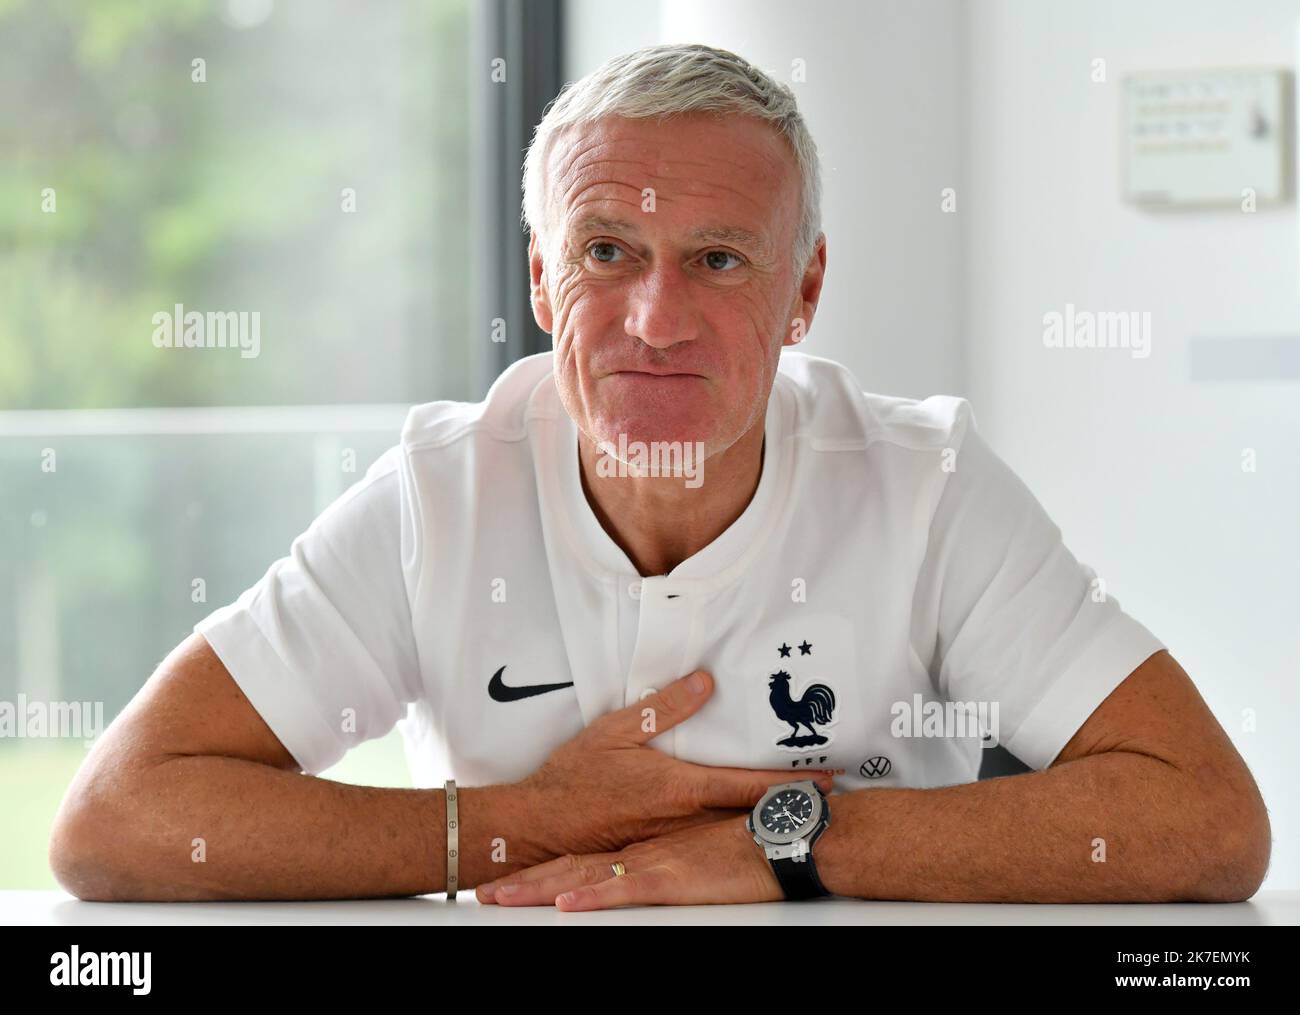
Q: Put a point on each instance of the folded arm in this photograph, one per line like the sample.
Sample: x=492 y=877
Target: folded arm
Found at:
x=1148 y=802
x=190 y=796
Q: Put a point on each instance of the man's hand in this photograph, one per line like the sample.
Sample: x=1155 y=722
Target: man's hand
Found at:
x=606 y=789
x=717 y=863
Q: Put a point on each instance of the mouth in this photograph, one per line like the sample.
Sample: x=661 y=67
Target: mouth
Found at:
x=657 y=373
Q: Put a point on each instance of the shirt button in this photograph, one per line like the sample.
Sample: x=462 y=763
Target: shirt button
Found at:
x=634 y=590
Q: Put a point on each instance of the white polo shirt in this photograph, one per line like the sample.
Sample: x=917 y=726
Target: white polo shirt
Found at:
x=888 y=562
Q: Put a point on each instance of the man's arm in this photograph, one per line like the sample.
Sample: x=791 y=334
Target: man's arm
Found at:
x=191 y=759
x=1150 y=782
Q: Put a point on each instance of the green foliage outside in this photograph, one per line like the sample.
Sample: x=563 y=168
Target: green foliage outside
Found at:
x=221 y=195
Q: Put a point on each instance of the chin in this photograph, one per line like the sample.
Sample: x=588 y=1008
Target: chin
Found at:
x=650 y=427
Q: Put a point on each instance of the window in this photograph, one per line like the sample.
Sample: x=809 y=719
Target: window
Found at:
x=178 y=169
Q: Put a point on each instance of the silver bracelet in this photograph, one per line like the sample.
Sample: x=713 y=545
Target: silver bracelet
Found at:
x=453 y=838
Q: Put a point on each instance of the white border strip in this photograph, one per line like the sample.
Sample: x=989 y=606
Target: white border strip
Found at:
x=234 y=419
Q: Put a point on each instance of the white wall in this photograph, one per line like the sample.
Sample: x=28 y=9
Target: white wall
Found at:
x=1138 y=465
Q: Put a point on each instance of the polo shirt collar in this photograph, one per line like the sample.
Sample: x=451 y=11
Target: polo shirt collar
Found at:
x=718 y=563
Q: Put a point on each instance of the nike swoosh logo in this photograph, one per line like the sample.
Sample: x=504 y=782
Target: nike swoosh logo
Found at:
x=498 y=690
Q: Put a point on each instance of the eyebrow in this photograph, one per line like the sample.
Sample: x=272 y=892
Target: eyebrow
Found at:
x=734 y=235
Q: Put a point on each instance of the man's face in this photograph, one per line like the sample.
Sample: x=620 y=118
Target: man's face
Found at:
x=664 y=275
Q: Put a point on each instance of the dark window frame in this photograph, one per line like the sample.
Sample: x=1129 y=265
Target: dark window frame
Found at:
x=528 y=34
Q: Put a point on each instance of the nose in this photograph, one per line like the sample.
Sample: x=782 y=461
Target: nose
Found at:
x=661 y=311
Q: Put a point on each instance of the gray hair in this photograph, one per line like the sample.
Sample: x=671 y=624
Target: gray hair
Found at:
x=662 y=81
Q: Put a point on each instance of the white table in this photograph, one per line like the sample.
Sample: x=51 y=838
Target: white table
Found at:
x=56 y=908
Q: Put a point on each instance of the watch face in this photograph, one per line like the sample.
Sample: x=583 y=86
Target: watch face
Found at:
x=787 y=812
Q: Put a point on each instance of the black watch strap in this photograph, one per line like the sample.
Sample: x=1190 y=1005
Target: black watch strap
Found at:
x=799 y=878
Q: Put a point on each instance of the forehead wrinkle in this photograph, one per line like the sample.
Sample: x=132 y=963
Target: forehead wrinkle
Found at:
x=583 y=162
x=771 y=148
x=769 y=153
x=576 y=221
x=568 y=167
x=582 y=181
x=583 y=159
x=722 y=233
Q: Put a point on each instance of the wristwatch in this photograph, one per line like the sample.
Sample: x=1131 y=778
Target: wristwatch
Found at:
x=786 y=823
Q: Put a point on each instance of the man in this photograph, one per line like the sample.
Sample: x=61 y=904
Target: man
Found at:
x=644 y=683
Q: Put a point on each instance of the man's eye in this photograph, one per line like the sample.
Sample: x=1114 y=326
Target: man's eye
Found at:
x=711 y=259
x=610 y=249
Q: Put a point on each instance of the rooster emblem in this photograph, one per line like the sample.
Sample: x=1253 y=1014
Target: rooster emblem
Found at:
x=815 y=705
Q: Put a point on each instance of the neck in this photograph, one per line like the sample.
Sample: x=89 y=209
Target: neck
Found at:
x=659 y=521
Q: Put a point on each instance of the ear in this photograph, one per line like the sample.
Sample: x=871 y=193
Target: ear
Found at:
x=804 y=307
x=541 y=299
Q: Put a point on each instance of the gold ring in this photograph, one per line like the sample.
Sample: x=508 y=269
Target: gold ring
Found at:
x=618 y=868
